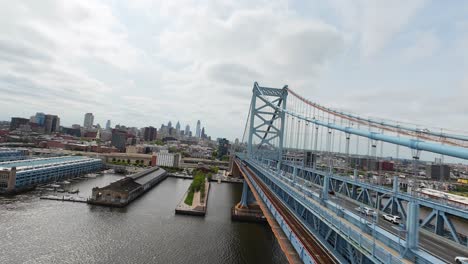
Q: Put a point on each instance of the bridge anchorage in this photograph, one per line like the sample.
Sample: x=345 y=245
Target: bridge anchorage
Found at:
x=339 y=188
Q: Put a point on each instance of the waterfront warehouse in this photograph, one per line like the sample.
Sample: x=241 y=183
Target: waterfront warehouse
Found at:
x=7 y=154
x=21 y=175
x=123 y=191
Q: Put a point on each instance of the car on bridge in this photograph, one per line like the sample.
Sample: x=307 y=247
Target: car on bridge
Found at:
x=395 y=219
x=461 y=260
x=366 y=211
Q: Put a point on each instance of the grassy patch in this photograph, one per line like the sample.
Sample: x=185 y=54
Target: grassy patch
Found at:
x=197 y=185
x=189 y=198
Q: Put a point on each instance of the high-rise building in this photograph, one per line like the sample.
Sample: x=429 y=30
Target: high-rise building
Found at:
x=223 y=147
x=40 y=118
x=16 y=122
x=169 y=124
x=203 y=135
x=149 y=133
x=51 y=124
x=88 y=120
x=198 y=130
x=119 y=139
x=177 y=128
x=108 y=125
x=187 y=130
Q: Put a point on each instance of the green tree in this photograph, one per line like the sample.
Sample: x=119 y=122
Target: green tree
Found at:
x=158 y=142
x=172 y=150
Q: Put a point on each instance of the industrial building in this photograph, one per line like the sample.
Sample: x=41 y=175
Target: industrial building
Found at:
x=123 y=191
x=7 y=154
x=21 y=175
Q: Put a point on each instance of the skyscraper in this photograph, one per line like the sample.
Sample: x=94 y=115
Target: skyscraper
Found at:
x=177 y=128
x=198 y=130
x=149 y=133
x=40 y=118
x=108 y=125
x=187 y=130
x=119 y=139
x=51 y=124
x=223 y=147
x=203 y=135
x=169 y=124
x=88 y=120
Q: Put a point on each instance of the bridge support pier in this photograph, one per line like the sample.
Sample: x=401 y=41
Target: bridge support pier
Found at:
x=247 y=209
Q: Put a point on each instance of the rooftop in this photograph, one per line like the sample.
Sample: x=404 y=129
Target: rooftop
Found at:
x=144 y=179
x=23 y=164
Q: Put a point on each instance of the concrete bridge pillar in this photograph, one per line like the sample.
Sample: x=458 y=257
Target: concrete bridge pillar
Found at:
x=247 y=209
x=245 y=190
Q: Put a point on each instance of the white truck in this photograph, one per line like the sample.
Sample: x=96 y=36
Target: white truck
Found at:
x=392 y=218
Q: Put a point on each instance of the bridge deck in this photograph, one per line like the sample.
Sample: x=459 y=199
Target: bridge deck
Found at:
x=313 y=246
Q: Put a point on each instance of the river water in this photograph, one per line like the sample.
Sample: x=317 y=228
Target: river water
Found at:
x=146 y=231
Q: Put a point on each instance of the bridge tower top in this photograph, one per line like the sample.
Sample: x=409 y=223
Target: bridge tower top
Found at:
x=266 y=122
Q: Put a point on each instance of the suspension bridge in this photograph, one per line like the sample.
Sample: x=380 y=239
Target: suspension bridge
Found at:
x=324 y=178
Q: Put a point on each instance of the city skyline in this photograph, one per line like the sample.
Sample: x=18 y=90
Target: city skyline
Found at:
x=372 y=47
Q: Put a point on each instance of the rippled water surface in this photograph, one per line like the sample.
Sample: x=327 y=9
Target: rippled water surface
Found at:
x=147 y=231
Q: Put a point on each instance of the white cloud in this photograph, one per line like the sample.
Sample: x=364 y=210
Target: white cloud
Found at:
x=425 y=44
x=375 y=23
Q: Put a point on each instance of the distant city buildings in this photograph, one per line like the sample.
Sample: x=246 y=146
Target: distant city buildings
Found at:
x=438 y=172
x=223 y=148
x=177 y=128
x=51 y=124
x=187 y=130
x=39 y=119
x=16 y=122
x=88 y=120
x=108 y=125
x=119 y=139
x=198 y=129
x=203 y=135
x=149 y=133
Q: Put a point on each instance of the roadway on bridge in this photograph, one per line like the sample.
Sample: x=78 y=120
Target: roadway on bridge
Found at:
x=430 y=243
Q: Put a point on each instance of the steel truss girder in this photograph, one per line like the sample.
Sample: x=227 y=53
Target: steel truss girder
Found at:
x=394 y=204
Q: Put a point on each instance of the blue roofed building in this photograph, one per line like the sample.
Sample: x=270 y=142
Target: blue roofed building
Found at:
x=21 y=175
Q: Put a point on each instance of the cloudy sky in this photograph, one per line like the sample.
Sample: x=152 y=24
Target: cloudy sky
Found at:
x=144 y=62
